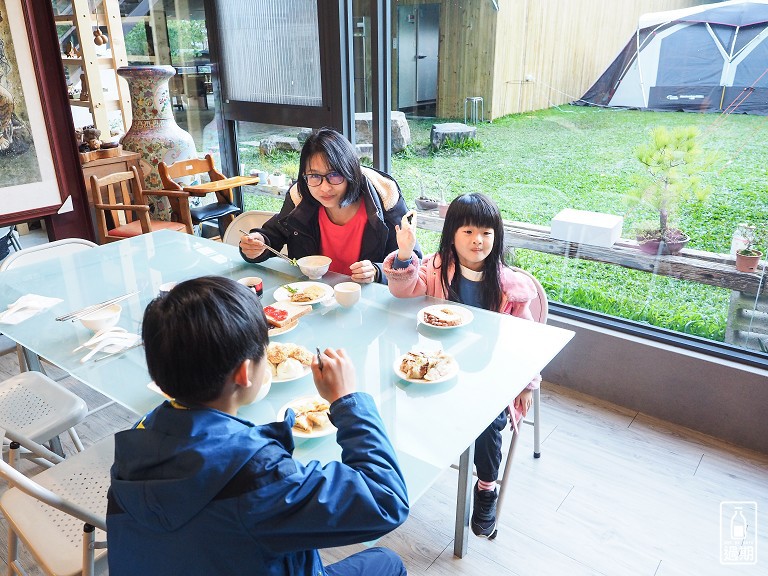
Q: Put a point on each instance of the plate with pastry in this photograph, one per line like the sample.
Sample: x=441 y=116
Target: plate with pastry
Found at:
x=311 y=417
x=426 y=366
x=283 y=317
x=304 y=292
x=288 y=361
x=445 y=316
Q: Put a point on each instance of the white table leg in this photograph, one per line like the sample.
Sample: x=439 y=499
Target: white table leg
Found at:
x=463 y=500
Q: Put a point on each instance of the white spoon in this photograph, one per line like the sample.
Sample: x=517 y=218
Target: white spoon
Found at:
x=102 y=334
x=107 y=342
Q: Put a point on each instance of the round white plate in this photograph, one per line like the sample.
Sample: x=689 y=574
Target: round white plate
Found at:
x=275 y=331
x=281 y=294
x=307 y=370
x=465 y=313
x=316 y=432
x=453 y=370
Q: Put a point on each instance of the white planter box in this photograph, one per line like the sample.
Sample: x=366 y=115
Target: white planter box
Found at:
x=585 y=227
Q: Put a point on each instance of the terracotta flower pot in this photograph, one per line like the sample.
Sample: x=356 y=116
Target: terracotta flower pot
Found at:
x=746 y=263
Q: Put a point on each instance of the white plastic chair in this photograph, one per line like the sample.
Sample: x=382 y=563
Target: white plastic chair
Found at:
x=34 y=409
x=31 y=404
x=245 y=221
x=41 y=252
x=60 y=514
x=539 y=309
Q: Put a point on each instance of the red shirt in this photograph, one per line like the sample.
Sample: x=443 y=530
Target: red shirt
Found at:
x=342 y=243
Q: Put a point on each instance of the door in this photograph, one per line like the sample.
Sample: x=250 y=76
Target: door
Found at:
x=417 y=46
x=427 y=41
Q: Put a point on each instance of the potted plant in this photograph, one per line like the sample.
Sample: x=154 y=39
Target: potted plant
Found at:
x=748 y=256
x=673 y=162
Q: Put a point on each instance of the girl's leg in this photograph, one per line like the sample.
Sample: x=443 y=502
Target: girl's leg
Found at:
x=372 y=562
x=488 y=450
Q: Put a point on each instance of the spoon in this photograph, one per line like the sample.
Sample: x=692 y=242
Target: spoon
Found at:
x=117 y=332
x=107 y=342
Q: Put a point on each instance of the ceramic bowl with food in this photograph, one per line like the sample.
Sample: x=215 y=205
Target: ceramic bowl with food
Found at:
x=314 y=267
x=347 y=293
x=101 y=319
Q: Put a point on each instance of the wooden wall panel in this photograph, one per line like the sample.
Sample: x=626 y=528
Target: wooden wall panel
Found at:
x=564 y=46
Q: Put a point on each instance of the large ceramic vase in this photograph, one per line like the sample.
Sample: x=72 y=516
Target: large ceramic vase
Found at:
x=154 y=133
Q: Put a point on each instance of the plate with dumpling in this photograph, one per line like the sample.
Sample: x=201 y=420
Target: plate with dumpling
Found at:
x=304 y=292
x=445 y=316
x=288 y=361
x=311 y=417
x=426 y=366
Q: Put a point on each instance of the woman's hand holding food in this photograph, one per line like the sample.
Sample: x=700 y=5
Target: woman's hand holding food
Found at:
x=406 y=236
x=363 y=272
x=336 y=378
x=252 y=245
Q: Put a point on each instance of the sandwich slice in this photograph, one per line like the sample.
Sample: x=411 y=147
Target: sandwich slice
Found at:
x=442 y=317
x=282 y=314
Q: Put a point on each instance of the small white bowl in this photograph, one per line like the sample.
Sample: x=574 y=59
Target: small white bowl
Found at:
x=347 y=293
x=265 y=387
x=166 y=287
x=101 y=319
x=314 y=266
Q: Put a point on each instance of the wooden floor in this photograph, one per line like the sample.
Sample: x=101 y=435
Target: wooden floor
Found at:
x=615 y=493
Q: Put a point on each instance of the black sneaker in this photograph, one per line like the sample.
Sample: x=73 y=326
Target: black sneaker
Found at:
x=483 y=521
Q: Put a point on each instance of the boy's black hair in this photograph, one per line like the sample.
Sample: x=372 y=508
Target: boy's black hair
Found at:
x=473 y=210
x=341 y=157
x=198 y=333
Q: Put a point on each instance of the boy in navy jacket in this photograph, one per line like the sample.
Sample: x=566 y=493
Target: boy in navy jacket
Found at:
x=197 y=490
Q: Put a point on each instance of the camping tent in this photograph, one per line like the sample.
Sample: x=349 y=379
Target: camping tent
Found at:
x=709 y=58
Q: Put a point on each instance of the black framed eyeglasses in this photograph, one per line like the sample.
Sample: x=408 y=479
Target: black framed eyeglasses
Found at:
x=333 y=178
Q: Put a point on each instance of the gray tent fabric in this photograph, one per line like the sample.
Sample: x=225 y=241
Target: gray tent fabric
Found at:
x=711 y=58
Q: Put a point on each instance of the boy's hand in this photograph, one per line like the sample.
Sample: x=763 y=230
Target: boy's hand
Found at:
x=337 y=377
x=252 y=245
x=524 y=400
x=406 y=236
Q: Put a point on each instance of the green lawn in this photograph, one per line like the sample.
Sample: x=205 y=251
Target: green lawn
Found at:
x=538 y=163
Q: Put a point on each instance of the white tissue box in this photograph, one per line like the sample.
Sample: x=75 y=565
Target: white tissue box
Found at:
x=594 y=228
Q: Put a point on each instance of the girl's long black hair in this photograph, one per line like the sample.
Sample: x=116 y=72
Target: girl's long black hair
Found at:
x=473 y=210
x=341 y=157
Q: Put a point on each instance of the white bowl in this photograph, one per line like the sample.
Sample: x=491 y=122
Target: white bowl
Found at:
x=314 y=266
x=101 y=319
x=265 y=387
x=166 y=287
x=347 y=293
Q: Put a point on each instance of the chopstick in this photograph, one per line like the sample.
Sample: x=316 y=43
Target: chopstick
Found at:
x=319 y=358
x=94 y=307
x=275 y=252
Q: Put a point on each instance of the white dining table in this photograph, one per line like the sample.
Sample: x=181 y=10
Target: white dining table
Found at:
x=431 y=425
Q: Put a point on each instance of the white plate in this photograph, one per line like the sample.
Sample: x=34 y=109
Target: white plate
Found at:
x=453 y=370
x=316 y=432
x=465 y=313
x=275 y=331
x=307 y=370
x=282 y=294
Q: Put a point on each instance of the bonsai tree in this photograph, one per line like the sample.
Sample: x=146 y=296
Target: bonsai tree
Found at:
x=673 y=162
x=748 y=257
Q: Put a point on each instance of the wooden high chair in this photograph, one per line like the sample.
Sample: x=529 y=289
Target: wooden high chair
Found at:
x=224 y=209
x=122 y=210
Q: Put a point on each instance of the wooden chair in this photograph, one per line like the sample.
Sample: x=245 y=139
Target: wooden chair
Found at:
x=223 y=210
x=120 y=215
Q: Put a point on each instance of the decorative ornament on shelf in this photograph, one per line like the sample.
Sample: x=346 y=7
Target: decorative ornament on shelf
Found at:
x=99 y=38
x=154 y=133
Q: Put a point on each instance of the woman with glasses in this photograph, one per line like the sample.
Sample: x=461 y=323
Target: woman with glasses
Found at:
x=338 y=209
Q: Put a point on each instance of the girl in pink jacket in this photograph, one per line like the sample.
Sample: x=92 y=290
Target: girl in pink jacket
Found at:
x=472 y=243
